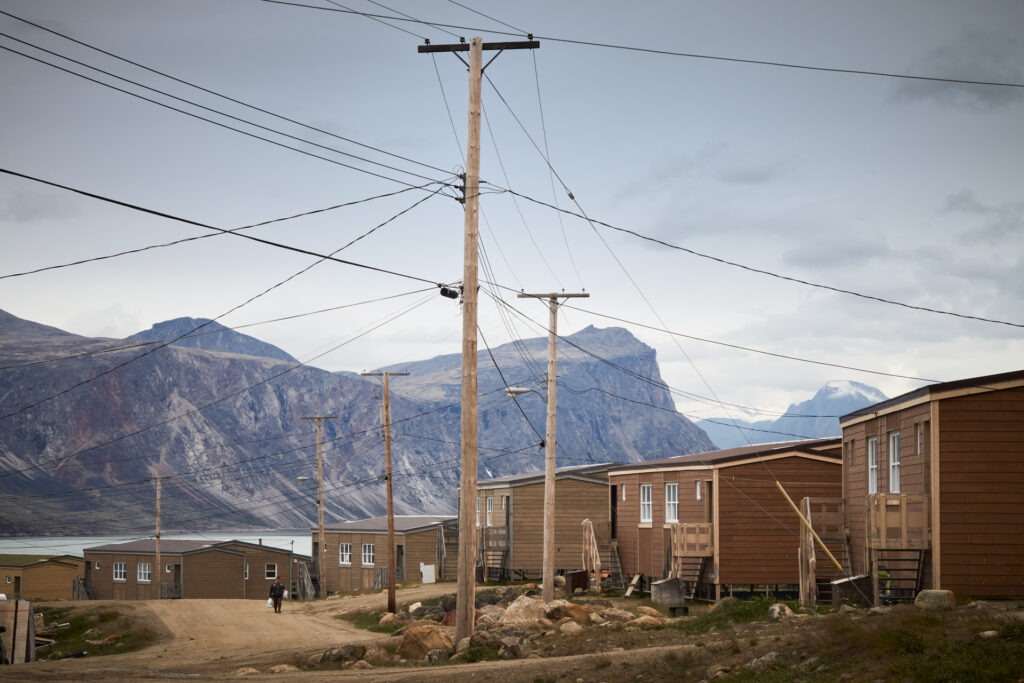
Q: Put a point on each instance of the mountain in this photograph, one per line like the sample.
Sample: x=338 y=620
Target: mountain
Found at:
x=201 y=333
x=817 y=417
x=85 y=424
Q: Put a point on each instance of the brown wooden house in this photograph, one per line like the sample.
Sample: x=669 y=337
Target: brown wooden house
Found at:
x=357 y=552
x=934 y=489
x=39 y=577
x=510 y=520
x=733 y=527
x=190 y=569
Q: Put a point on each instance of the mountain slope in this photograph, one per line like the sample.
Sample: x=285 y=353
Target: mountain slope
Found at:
x=211 y=336
x=815 y=418
x=226 y=426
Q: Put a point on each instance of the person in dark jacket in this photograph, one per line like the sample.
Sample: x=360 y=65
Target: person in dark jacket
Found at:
x=276 y=593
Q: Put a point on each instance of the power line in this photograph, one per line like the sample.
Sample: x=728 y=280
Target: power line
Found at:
x=670 y=53
x=751 y=269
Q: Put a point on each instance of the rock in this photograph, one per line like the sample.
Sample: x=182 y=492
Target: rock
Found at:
x=282 y=668
x=596 y=618
x=417 y=641
x=846 y=609
x=570 y=628
x=492 y=610
x=246 y=671
x=559 y=582
x=717 y=671
x=562 y=609
x=447 y=603
x=378 y=654
x=436 y=657
x=578 y=591
x=620 y=615
x=413 y=607
x=487 y=598
x=934 y=599
x=463 y=645
x=779 y=611
x=487 y=621
x=485 y=639
x=650 y=612
x=362 y=664
x=342 y=653
x=529 y=586
x=405 y=617
x=390 y=619
x=762 y=663
x=722 y=603
x=988 y=635
x=449 y=619
x=646 y=622
x=600 y=602
x=878 y=611
x=524 y=609
x=613 y=625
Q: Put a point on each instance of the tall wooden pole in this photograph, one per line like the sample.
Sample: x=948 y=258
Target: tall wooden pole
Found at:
x=466 y=593
x=321 y=547
x=159 y=567
x=548 y=587
x=392 y=605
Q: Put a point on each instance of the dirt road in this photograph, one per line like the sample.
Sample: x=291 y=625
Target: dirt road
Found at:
x=214 y=638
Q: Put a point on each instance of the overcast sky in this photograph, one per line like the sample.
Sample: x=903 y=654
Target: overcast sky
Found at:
x=902 y=189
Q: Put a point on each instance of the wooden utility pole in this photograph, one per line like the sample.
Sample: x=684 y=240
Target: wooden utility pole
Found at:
x=159 y=567
x=392 y=607
x=466 y=594
x=548 y=587
x=321 y=547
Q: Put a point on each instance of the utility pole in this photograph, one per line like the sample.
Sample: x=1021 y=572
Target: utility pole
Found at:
x=159 y=567
x=466 y=594
x=548 y=587
x=321 y=547
x=387 y=477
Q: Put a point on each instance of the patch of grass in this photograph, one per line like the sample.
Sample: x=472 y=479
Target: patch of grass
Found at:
x=479 y=654
x=729 y=613
x=94 y=632
x=369 y=621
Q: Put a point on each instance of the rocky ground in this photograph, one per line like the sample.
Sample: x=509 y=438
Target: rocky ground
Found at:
x=590 y=638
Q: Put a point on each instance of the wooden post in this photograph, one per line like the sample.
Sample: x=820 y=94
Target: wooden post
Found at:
x=809 y=527
x=387 y=478
x=321 y=547
x=159 y=567
x=548 y=587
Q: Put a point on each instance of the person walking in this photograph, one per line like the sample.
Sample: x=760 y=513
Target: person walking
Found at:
x=276 y=593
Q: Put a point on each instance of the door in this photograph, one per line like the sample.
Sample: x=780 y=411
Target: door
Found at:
x=17 y=587
x=614 y=516
x=399 y=562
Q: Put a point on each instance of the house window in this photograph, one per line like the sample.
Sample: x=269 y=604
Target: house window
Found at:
x=96 y=565
x=8 y=579
x=143 y=572
x=646 y=508
x=623 y=487
x=919 y=437
x=367 y=554
x=894 y=462
x=873 y=464
x=120 y=573
x=245 y=574
x=345 y=553
x=477 y=512
x=490 y=509
x=167 y=569
x=672 y=502
x=699 y=493
x=271 y=571
x=849 y=452
x=504 y=501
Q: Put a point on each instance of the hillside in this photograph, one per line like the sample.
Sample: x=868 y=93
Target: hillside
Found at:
x=90 y=423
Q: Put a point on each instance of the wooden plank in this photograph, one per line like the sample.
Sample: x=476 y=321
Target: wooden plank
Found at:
x=633 y=584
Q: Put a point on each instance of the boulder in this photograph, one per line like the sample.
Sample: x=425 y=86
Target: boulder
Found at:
x=559 y=582
x=561 y=609
x=436 y=657
x=282 y=668
x=524 y=608
x=596 y=618
x=463 y=645
x=447 y=603
x=492 y=610
x=362 y=664
x=988 y=635
x=570 y=628
x=390 y=619
x=779 y=611
x=413 y=607
x=511 y=648
x=646 y=622
x=417 y=641
x=486 y=639
x=614 y=614
x=644 y=610
x=487 y=621
x=762 y=663
x=935 y=599
x=246 y=671
x=449 y=619
x=342 y=653
x=378 y=654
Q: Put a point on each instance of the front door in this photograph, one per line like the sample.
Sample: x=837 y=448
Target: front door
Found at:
x=614 y=511
x=399 y=562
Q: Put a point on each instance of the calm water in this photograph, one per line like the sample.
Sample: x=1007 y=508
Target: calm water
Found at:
x=73 y=545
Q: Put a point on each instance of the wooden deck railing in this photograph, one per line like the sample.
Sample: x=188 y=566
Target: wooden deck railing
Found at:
x=898 y=521
x=693 y=539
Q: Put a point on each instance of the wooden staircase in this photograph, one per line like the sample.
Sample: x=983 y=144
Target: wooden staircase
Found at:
x=689 y=571
x=611 y=568
x=450 y=530
x=899 y=574
x=494 y=553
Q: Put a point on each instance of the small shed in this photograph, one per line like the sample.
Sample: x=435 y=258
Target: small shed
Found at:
x=357 y=552
x=510 y=520
x=934 y=489
x=39 y=577
x=717 y=520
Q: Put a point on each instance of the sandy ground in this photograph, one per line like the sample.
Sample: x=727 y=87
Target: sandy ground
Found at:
x=214 y=638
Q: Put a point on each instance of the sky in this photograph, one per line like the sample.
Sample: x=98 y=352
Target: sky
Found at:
x=904 y=189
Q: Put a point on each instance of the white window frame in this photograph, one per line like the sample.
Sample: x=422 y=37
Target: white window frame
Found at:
x=672 y=502
x=504 y=502
x=245 y=574
x=699 y=490
x=120 y=571
x=167 y=568
x=96 y=564
x=646 y=504
x=270 y=571
x=894 y=462
x=478 y=512
x=144 y=572
x=872 y=464
x=919 y=439
x=345 y=554
x=368 y=554
x=623 y=487
x=490 y=509
x=8 y=579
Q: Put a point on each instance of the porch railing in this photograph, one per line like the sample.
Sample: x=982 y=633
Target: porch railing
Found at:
x=693 y=539
x=898 y=521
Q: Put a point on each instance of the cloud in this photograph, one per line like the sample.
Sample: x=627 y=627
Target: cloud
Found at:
x=28 y=207
x=1002 y=223
x=839 y=252
x=976 y=55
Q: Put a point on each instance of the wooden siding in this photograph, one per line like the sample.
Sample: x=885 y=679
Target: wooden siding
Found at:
x=43 y=581
x=574 y=501
x=212 y=573
x=257 y=587
x=103 y=586
x=498 y=516
x=627 y=530
x=420 y=546
x=758 y=532
x=981 y=480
